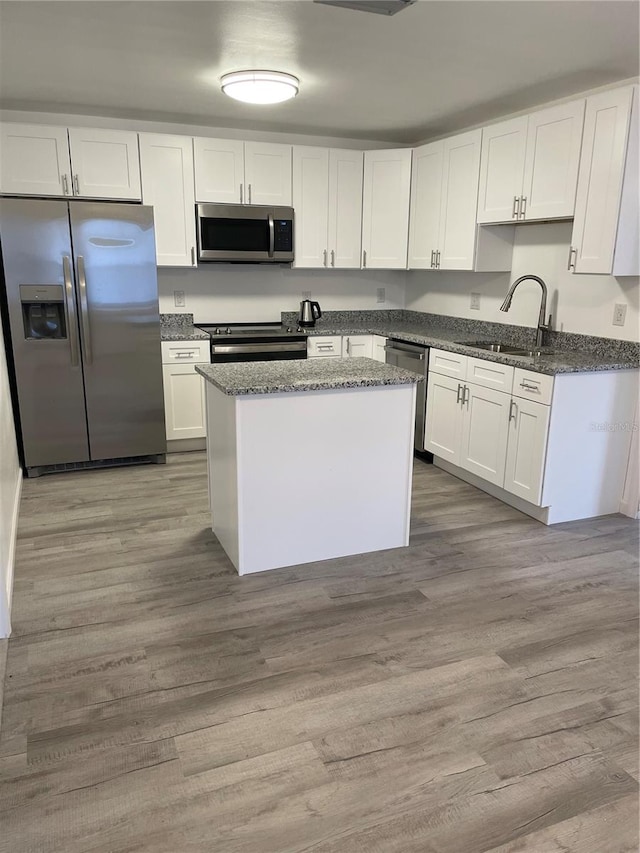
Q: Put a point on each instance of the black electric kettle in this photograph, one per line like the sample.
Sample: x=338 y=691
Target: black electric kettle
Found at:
x=309 y=313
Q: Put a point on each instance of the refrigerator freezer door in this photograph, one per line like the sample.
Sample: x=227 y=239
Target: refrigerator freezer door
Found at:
x=36 y=250
x=116 y=283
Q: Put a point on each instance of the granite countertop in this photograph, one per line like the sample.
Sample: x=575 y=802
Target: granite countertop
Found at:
x=179 y=327
x=553 y=362
x=278 y=377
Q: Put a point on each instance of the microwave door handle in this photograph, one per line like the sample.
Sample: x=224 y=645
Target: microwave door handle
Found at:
x=271 y=236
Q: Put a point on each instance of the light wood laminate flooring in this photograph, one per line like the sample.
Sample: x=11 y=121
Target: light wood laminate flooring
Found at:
x=474 y=692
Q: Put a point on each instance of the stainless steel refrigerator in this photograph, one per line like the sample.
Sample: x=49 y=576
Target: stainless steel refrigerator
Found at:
x=82 y=309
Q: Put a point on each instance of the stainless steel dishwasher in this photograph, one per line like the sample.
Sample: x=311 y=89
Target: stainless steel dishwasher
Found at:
x=415 y=358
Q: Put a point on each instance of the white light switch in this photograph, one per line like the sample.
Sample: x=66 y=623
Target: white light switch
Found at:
x=381 y=294
x=475 y=301
x=178 y=298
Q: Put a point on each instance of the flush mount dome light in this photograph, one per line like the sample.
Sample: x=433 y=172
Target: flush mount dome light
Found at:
x=260 y=87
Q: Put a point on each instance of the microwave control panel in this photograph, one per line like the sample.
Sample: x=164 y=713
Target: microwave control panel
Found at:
x=283 y=235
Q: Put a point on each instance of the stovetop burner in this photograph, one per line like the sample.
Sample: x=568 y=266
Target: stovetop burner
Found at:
x=249 y=330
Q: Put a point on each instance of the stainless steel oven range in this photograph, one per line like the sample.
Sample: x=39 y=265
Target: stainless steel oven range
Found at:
x=254 y=342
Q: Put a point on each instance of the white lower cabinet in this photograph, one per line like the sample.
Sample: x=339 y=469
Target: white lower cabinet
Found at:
x=357 y=346
x=329 y=346
x=443 y=426
x=484 y=432
x=184 y=398
x=526 y=449
x=183 y=401
x=379 y=352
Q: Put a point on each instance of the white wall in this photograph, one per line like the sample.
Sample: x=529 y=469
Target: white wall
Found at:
x=10 y=482
x=579 y=303
x=235 y=293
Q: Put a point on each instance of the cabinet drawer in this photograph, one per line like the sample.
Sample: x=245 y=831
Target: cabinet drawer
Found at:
x=318 y=347
x=177 y=352
x=490 y=374
x=532 y=386
x=448 y=363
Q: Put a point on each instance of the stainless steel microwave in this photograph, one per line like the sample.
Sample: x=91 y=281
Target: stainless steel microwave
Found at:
x=244 y=233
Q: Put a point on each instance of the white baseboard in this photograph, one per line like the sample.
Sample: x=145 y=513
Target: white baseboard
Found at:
x=6 y=595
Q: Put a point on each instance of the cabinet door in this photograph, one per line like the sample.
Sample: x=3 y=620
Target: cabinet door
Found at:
x=483 y=447
x=345 y=208
x=34 y=160
x=426 y=200
x=501 y=170
x=219 y=170
x=443 y=426
x=167 y=185
x=554 y=137
x=600 y=177
x=526 y=449
x=311 y=205
x=184 y=401
x=379 y=353
x=105 y=163
x=357 y=346
x=385 y=210
x=267 y=173
x=460 y=174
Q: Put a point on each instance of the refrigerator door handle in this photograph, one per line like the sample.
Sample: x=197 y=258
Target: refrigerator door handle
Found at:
x=70 y=311
x=84 y=311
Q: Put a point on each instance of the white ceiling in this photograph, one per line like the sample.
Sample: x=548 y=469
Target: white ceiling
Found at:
x=436 y=67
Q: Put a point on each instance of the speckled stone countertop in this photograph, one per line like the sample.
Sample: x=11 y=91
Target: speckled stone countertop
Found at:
x=320 y=374
x=569 y=353
x=179 y=327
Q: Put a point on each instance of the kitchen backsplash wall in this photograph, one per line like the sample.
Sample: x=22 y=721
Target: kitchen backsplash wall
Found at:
x=579 y=303
x=233 y=293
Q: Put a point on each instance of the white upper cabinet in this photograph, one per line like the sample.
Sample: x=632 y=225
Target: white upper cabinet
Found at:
x=105 y=163
x=554 y=137
x=426 y=199
x=219 y=170
x=167 y=184
x=267 y=173
x=327 y=199
x=34 y=160
x=605 y=228
x=345 y=208
x=311 y=205
x=461 y=168
x=92 y=163
x=529 y=165
x=502 y=170
x=385 y=208
x=236 y=172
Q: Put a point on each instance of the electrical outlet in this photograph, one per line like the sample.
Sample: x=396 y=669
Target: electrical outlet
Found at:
x=381 y=294
x=475 y=301
x=619 y=314
x=178 y=298
x=306 y=294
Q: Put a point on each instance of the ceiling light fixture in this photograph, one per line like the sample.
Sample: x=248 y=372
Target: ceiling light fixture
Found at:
x=260 y=87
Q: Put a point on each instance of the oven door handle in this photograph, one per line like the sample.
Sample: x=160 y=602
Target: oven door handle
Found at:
x=241 y=349
x=272 y=238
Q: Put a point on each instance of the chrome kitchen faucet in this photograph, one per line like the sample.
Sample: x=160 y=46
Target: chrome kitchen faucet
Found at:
x=542 y=327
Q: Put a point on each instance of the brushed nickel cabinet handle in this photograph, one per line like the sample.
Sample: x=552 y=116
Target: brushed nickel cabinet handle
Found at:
x=76 y=185
x=523 y=206
x=65 y=185
x=516 y=207
x=240 y=193
x=364 y=257
x=193 y=256
x=324 y=257
x=513 y=409
x=458 y=397
x=437 y=259
x=333 y=258
x=249 y=188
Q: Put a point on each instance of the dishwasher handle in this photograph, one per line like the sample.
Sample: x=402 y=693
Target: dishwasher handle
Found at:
x=410 y=353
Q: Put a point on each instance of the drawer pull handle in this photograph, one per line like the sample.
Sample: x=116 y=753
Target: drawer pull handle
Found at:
x=528 y=387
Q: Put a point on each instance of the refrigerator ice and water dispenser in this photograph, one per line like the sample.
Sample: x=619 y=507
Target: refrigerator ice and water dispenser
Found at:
x=43 y=314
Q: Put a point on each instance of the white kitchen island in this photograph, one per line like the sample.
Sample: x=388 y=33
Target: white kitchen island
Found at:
x=308 y=460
